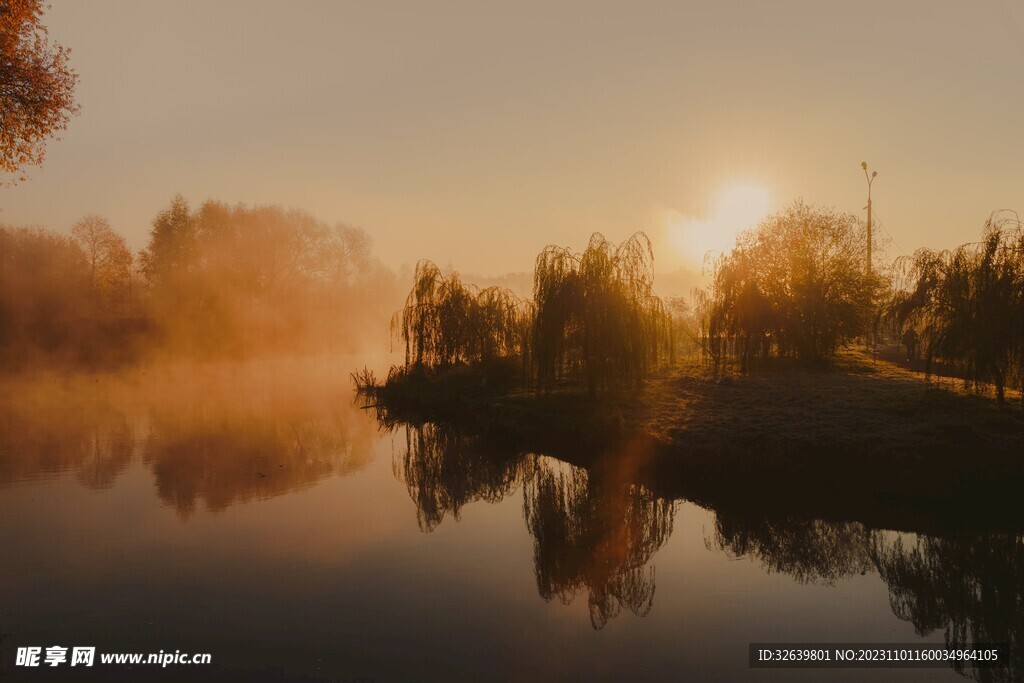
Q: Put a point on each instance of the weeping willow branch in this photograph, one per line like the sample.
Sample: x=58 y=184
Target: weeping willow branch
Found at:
x=967 y=305
x=445 y=322
x=594 y=317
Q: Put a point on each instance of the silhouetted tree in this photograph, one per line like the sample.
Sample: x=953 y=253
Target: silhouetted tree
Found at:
x=967 y=305
x=596 y=314
x=445 y=322
x=172 y=243
x=594 y=317
x=793 y=286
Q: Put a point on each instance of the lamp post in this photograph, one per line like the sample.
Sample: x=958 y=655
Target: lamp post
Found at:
x=870 y=179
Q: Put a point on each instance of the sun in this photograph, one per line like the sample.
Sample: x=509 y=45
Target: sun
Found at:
x=742 y=206
x=735 y=208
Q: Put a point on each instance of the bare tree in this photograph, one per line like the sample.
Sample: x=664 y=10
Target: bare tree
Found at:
x=109 y=260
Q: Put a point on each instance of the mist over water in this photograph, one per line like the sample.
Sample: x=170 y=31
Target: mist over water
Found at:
x=254 y=510
x=185 y=464
x=379 y=410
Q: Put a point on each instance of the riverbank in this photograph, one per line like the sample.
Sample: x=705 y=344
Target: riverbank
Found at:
x=856 y=405
x=862 y=435
x=859 y=439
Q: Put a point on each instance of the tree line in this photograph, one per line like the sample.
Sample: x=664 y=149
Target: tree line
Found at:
x=216 y=280
x=593 y=318
x=797 y=285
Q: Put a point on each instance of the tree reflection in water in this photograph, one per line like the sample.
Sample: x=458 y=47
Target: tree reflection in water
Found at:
x=593 y=530
x=95 y=440
x=811 y=551
x=445 y=469
x=230 y=457
x=969 y=586
x=972 y=587
x=596 y=534
x=220 y=433
x=596 y=530
x=253 y=432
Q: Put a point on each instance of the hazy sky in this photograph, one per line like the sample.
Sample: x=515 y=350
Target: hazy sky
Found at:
x=475 y=133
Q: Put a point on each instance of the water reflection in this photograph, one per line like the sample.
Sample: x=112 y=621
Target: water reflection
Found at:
x=969 y=587
x=593 y=529
x=445 y=468
x=596 y=529
x=230 y=457
x=95 y=441
x=811 y=551
x=595 y=533
x=230 y=434
x=237 y=435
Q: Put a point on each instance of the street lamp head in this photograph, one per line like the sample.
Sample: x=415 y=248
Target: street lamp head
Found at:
x=874 y=173
x=864 y=165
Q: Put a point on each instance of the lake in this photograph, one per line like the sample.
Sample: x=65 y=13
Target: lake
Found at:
x=255 y=512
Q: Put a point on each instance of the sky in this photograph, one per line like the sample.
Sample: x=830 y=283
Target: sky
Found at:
x=475 y=133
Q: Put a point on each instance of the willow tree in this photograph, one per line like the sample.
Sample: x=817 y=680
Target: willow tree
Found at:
x=445 y=322
x=596 y=315
x=967 y=305
x=793 y=286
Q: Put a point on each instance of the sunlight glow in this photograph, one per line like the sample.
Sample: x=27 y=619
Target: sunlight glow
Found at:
x=735 y=208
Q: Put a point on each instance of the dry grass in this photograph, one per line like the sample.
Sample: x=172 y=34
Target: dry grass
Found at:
x=860 y=439
x=858 y=404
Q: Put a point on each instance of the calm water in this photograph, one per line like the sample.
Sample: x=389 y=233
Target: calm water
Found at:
x=254 y=513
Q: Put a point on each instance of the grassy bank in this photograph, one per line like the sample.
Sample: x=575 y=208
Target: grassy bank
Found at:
x=855 y=405
x=861 y=438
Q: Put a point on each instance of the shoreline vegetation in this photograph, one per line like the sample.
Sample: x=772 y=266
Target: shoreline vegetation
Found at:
x=801 y=384
x=862 y=439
